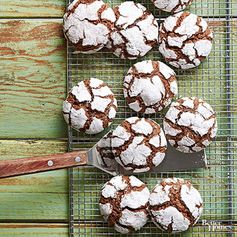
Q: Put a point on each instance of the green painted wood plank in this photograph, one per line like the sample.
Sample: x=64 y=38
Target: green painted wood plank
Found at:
x=13 y=149
x=48 y=182
x=87 y=230
x=32 y=78
x=34 y=206
x=39 y=196
x=33 y=230
x=33 y=8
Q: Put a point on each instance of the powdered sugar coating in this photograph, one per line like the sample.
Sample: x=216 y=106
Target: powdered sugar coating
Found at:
x=87 y=25
x=149 y=86
x=175 y=205
x=138 y=144
x=185 y=40
x=172 y=6
x=124 y=203
x=135 y=33
x=190 y=124
x=90 y=106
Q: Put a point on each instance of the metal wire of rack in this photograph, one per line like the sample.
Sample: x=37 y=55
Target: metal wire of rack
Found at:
x=215 y=81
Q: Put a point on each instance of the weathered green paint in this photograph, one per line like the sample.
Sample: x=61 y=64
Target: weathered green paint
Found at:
x=33 y=230
x=32 y=78
x=34 y=206
x=14 y=149
x=33 y=197
x=33 y=8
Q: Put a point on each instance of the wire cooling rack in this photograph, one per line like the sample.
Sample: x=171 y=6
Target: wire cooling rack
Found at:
x=215 y=81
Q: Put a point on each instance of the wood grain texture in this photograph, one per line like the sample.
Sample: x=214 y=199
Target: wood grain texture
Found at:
x=12 y=149
x=32 y=78
x=33 y=197
x=17 y=167
x=34 y=206
x=33 y=8
x=33 y=230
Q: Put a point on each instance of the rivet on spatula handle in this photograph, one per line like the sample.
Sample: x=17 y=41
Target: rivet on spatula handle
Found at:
x=37 y=164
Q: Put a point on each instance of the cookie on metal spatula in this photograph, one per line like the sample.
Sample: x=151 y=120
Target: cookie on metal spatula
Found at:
x=138 y=144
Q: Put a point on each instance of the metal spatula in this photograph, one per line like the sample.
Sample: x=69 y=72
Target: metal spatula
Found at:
x=174 y=161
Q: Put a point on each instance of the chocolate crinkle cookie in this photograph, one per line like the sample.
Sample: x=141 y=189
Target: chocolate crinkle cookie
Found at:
x=149 y=86
x=124 y=203
x=190 y=124
x=90 y=106
x=135 y=33
x=175 y=205
x=138 y=144
x=185 y=40
x=172 y=6
x=87 y=24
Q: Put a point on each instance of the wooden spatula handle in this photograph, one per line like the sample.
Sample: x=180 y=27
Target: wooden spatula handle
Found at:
x=42 y=163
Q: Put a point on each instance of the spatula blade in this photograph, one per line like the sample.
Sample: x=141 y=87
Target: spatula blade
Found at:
x=94 y=159
x=174 y=161
x=179 y=161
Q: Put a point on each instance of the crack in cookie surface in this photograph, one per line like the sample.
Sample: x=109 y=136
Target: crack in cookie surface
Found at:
x=87 y=25
x=185 y=40
x=138 y=144
x=124 y=203
x=175 y=205
x=90 y=106
x=149 y=86
x=134 y=34
x=190 y=124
